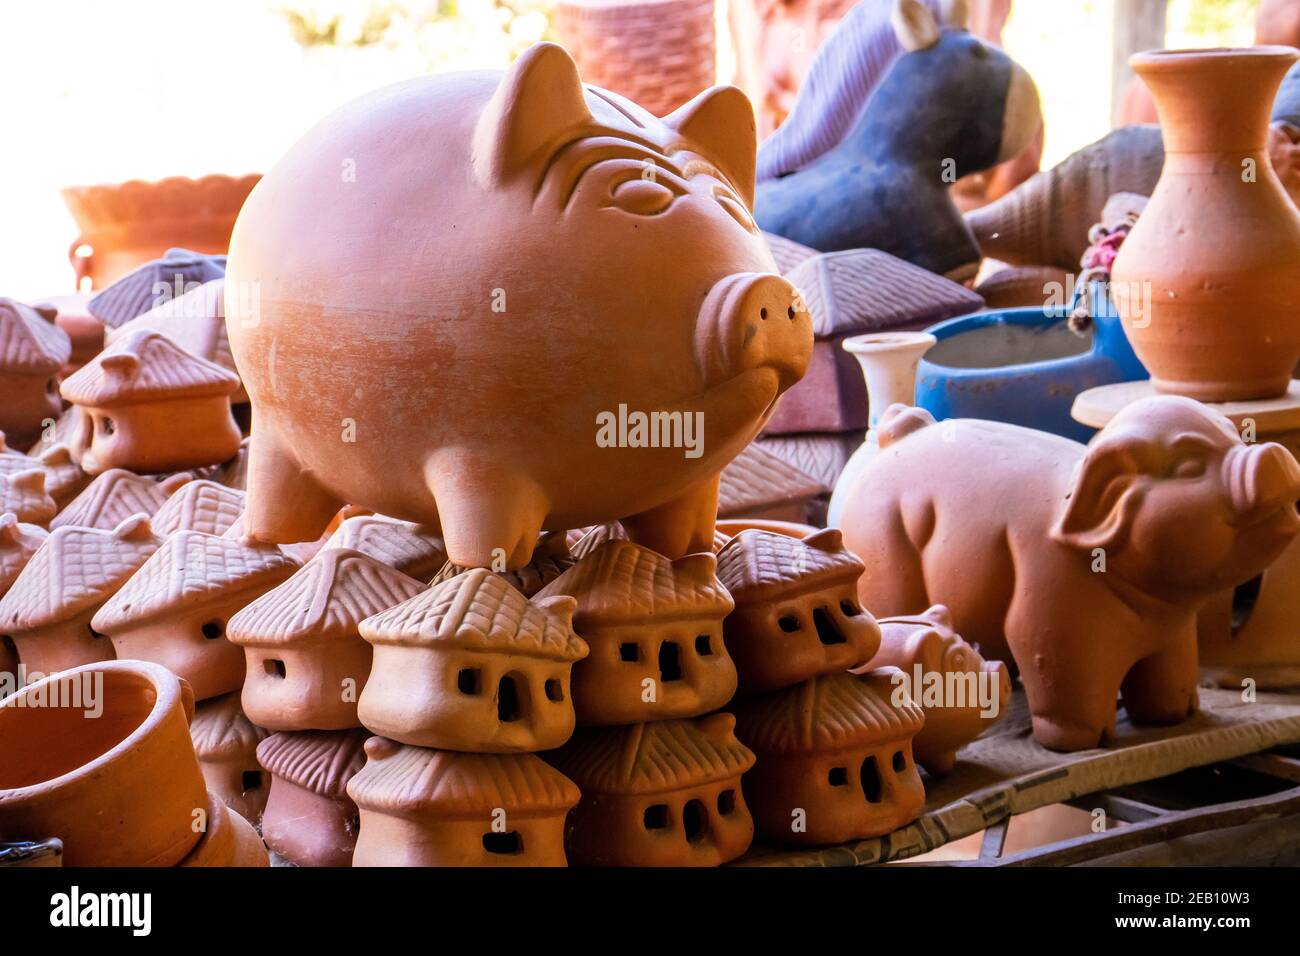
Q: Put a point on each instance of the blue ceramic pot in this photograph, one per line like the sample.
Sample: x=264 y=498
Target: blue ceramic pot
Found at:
x=1024 y=366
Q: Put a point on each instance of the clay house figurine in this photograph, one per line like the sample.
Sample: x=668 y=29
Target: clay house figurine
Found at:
x=665 y=793
x=114 y=496
x=202 y=505
x=309 y=818
x=32 y=353
x=64 y=479
x=551 y=558
x=173 y=611
x=150 y=406
x=47 y=612
x=422 y=807
x=22 y=493
x=655 y=631
x=403 y=545
x=797 y=612
x=961 y=693
x=834 y=759
x=225 y=741
x=473 y=665
x=306 y=662
x=18 y=542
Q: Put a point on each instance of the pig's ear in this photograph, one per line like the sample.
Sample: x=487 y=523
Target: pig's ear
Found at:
x=1105 y=496
x=720 y=121
x=914 y=25
x=540 y=99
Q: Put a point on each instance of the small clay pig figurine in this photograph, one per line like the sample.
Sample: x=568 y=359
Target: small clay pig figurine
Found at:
x=960 y=692
x=423 y=311
x=1086 y=564
x=950 y=106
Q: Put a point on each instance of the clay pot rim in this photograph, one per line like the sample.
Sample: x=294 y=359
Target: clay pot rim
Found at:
x=873 y=342
x=167 y=691
x=1191 y=58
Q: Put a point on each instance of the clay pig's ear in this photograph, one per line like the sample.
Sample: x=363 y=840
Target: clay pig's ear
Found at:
x=1105 y=496
x=721 y=122
x=956 y=14
x=914 y=25
x=539 y=100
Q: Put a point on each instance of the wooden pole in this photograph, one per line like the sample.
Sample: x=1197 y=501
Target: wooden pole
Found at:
x=1137 y=25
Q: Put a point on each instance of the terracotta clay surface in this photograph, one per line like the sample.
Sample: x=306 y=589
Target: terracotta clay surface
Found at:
x=760 y=484
x=398 y=544
x=537 y=184
x=834 y=759
x=18 y=542
x=797 y=614
x=47 y=611
x=1207 y=278
x=206 y=506
x=473 y=665
x=955 y=711
x=655 y=631
x=225 y=741
x=151 y=406
x=22 y=494
x=309 y=819
x=551 y=558
x=33 y=351
x=228 y=840
x=84 y=331
x=666 y=793
x=114 y=496
x=174 y=609
x=440 y=808
x=119 y=786
x=64 y=479
x=1167 y=499
x=306 y=662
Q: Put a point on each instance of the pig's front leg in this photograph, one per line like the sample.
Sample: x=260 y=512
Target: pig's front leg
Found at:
x=681 y=526
x=491 y=514
x=285 y=503
x=1161 y=689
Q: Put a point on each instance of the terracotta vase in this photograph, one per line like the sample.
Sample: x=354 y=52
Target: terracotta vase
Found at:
x=108 y=767
x=424 y=807
x=1209 y=278
x=124 y=225
x=503 y=153
x=1037 y=544
x=889 y=361
x=657 y=53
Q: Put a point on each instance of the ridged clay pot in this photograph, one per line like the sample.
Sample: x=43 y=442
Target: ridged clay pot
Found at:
x=1208 y=282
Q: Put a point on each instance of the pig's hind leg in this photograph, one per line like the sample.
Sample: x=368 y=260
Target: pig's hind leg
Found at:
x=490 y=513
x=894 y=580
x=285 y=503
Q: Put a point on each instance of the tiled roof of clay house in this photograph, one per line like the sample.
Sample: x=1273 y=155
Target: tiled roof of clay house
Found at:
x=18 y=542
x=30 y=343
x=654 y=757
x=832 y=712
x=23 y=494
x=192 y=568
x=760 y=565
x=550 y=559
x=867 y=290
x=401 y=779
x=203 y=505
x=196 y=321
x=115 y=495
x=326 y=599
x=588 y=540
x=146 y=366
x=322 y=761
x=64 y=478
x=787 y=252
x=220 y=730
x=74 y=570
x=398 y=544
x=479 y=610
x=621 y=582
x=757 y=479
x=137 y=292
x=12 y=461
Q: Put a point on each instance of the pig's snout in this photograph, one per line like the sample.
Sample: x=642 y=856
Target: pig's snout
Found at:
x=1261 y=479
x=1000 y=674
x=753 y=320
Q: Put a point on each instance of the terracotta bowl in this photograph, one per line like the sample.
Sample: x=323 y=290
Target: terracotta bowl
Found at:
x=120 y=788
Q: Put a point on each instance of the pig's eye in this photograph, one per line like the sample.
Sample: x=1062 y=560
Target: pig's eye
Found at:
x=1188 y=468
x=643 y=197
x=735 y=207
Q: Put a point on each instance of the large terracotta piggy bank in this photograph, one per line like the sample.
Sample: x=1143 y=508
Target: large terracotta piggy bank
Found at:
x=1087 y=564
x=501 y=304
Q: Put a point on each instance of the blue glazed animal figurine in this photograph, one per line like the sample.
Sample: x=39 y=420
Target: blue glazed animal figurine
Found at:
x=950 y=106
x=1023 y=366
